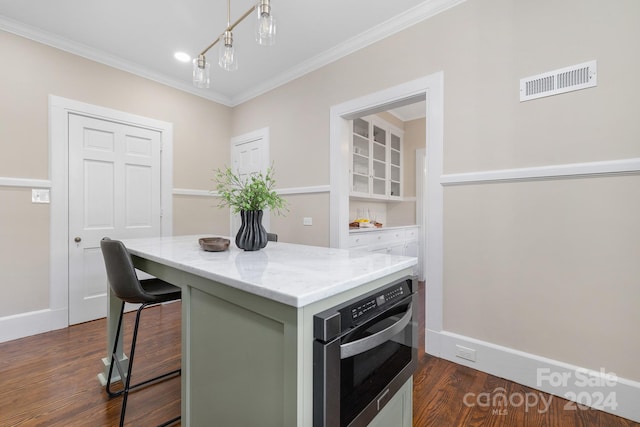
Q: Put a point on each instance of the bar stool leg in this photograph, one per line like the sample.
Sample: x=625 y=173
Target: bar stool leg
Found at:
x=125 y=395
x=114 y=358
x=127 y=378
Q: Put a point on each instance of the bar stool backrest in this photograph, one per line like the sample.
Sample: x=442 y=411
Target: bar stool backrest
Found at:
x=121 y=272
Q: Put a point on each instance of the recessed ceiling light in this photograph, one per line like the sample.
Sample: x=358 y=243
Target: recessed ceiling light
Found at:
x=182 y=57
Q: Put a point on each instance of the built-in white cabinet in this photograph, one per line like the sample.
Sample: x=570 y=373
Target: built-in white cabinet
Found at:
x=394 y=241
x=376 y=159
x=411 y=239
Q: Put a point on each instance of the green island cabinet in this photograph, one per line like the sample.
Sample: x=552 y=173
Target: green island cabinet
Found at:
x=247 y=325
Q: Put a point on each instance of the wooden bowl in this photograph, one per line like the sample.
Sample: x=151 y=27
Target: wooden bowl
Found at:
x=214 y=244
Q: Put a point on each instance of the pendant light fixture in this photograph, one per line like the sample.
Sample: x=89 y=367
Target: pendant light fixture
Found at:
x=265 y=34
x=227 y=58
x=201 y=72
x=266 y=25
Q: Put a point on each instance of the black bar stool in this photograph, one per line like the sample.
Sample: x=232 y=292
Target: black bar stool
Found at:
x=126 y=286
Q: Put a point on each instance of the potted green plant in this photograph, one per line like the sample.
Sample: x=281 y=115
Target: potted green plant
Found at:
x=249 y=196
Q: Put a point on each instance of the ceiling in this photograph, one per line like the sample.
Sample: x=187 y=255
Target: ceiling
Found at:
x=416 y=110
x=142 y=36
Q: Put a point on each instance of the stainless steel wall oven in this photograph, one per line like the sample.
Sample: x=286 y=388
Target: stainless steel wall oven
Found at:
x=364 y=350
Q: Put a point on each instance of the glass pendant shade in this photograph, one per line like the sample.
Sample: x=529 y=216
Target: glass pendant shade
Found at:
x=228 y=60
x=266 y=29
x=201 y=74
x=265 y=34
x=266 y=24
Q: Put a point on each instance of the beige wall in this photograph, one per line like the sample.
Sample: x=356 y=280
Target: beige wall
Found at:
x=547 y=267
x=24 y=252
x=484 y=47
x=201 y=143
x=544 y=267
x=289 y=227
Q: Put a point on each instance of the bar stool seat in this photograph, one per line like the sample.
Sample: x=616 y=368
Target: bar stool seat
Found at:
x=127 y=287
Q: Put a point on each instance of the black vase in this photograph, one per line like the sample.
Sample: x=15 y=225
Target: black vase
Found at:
x=251 y=236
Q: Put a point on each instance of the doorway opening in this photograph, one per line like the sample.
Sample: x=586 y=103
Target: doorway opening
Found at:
x=430 y=90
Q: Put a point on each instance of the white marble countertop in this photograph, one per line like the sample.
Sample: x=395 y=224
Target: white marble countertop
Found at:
x=295 y=275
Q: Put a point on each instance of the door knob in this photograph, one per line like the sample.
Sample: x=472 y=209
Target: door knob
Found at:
x=77 y=240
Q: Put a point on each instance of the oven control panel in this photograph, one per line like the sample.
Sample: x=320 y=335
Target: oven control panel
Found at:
x=374 y=302
x=334 y=321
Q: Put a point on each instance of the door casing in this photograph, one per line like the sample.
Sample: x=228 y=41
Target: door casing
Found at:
x=431 y=89
x=59 y=109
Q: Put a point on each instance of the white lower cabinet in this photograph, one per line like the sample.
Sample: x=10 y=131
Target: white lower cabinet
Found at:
x=391 y=249
x=359 y=240
x=396 y=241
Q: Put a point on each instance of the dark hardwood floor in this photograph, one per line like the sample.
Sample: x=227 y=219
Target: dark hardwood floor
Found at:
x=50 y=380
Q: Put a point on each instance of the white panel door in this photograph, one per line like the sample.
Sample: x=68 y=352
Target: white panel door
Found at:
x=114 y=191
x=249 y=154
x=248 y=157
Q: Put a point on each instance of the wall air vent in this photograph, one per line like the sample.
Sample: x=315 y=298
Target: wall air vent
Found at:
x=566 y=79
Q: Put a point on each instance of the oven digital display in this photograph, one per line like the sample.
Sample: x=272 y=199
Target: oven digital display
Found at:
x=364 y=307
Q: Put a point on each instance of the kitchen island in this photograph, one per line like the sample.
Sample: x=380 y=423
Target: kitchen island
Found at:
x=247 y=322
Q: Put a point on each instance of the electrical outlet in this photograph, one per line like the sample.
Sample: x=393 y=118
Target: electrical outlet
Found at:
x=466 y=353
x=40 y=195
x=307 y=221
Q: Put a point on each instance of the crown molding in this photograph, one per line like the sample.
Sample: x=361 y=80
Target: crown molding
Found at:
x=394 y=25
x=101 y=57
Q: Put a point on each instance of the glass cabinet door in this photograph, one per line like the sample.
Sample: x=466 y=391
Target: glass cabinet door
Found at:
x=376 y=159
x=360 y=173
x=395 y=166
x=379 y=161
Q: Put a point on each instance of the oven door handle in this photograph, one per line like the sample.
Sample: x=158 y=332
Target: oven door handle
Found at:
x=360 y=346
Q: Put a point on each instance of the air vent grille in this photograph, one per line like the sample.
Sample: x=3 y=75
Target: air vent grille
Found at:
x=564 y=80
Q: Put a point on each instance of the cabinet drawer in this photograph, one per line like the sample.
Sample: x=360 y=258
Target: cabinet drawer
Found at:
x=390 y=236
x=390 y=249
x=359 y=239
x=411 y=233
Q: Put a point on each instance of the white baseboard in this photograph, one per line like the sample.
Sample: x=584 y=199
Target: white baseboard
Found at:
x=32 y=323
x=597 y=389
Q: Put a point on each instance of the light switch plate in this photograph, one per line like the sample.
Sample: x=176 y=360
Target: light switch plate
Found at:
x=307 y=221
x=40 y=195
